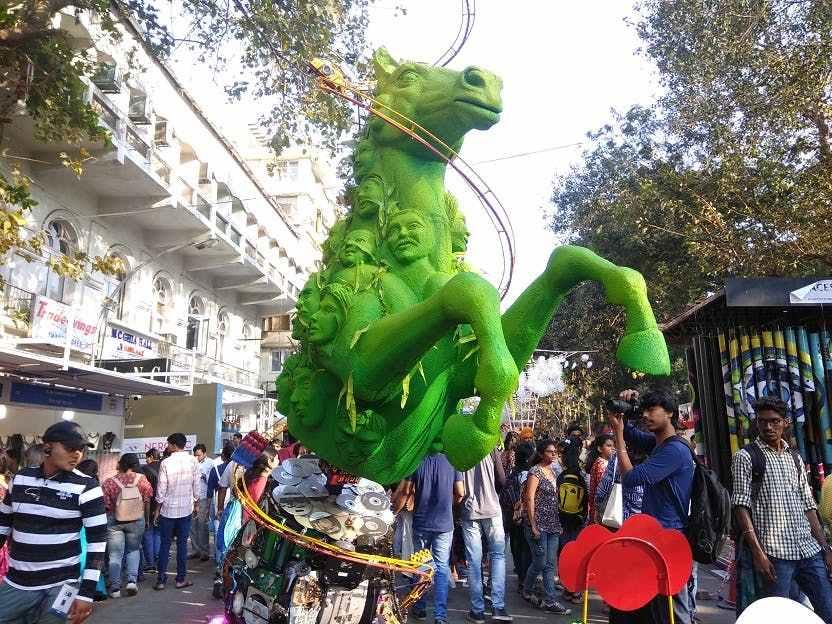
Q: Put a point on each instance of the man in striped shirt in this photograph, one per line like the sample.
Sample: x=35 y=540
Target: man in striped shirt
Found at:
x=41 y=516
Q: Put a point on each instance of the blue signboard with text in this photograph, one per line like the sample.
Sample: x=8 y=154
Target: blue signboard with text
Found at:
x=55 y=397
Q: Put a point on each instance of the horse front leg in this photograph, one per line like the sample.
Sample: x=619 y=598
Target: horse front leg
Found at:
x=641 y=348
x=393 y=345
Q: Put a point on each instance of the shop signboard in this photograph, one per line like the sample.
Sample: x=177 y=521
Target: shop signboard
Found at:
x=140 y=446
x=50 y=320
x=55 y=397
x=153 y=365
x=123 y=344
x=815 y=293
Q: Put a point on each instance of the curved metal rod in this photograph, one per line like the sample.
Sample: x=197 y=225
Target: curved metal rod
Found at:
x=494 y=209
x=466 y=26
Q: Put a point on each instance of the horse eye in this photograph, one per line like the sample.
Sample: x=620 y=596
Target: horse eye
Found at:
x=408 y=76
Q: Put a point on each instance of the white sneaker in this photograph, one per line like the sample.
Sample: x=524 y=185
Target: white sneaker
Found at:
x=131 y=589
x=115 y=594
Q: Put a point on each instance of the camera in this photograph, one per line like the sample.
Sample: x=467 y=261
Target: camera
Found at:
x=629 y=409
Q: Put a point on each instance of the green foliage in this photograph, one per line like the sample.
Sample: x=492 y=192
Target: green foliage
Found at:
x=46 y=69
x=727 y=174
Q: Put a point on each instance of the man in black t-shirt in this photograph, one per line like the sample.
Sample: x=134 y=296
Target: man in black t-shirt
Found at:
x=152 y=537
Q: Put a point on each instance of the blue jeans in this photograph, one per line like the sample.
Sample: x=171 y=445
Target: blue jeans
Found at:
x=19 y=606
x=183 y=528
x=811 y=576
x=544 y=561
x=440 y=548
x=473 y=531
x=150 y=545
x=123 y=541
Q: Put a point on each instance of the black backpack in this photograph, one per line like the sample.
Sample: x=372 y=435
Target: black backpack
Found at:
x=709 y=521
x=758 y=466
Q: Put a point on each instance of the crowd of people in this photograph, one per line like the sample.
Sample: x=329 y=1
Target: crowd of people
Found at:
x=532 y=496
x=68 y=538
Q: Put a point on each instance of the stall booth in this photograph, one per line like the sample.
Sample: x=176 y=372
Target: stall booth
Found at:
x=760 y=337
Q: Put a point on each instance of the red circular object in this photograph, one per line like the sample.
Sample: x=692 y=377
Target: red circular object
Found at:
x=575 y=556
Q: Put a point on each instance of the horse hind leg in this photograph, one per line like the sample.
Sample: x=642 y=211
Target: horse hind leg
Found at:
x=642 y=347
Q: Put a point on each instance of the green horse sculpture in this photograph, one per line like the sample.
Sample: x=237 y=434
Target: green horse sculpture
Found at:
x=394 y=331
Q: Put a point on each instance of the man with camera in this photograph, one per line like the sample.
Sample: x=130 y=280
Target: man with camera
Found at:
x=667 y=478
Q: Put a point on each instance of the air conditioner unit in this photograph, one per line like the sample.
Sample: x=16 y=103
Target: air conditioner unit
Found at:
x=139 y=108
x=160 y=133
x=107 y=78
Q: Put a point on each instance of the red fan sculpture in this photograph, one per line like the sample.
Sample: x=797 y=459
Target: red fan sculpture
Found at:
x=628 y=568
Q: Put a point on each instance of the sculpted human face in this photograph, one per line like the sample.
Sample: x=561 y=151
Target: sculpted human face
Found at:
x=370 y=197
x=308 y=301
x=409 y=236
x=324 y=324
x=359 y=245
x=302 y=381
x=364 y=159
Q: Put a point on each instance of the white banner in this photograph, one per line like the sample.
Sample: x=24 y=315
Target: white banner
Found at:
x=121 y=344
x=817 y=293
x=140 y=446
x=51 y=318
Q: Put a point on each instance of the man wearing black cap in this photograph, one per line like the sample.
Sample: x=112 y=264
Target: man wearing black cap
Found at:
x=41 y=516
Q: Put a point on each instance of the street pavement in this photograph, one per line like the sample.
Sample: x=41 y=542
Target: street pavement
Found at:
x=196 y=606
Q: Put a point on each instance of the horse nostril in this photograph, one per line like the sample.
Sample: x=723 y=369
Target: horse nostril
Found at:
x=474 y=77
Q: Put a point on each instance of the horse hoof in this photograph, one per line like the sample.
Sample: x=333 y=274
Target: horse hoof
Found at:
x=645 y=351
x=465 y=445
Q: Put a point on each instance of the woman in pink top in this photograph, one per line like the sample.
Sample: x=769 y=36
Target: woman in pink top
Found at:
x=127 y=501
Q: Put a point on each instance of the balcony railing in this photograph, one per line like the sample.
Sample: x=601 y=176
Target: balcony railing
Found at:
x=106 y=113
x=203 y=206
x=138 y=144
x=17 y=305
x=221 y=223
x=161 y=169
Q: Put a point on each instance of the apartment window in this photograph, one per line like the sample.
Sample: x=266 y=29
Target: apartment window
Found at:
x=162 y=304
x=248 y=336
x=115 y=287
x=160 y=132
x=287 y=170
x=138 y=110
x=204 y=177
x=196 y=322
x=277 y=361
x=223 y=325
x=61 y=239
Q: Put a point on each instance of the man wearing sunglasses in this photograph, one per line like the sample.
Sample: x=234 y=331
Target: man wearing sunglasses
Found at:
x=41 y=516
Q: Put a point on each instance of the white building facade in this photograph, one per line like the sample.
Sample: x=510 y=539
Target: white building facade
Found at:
x=208 y=251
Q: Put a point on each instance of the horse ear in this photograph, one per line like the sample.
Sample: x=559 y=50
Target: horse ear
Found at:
x=384 y=64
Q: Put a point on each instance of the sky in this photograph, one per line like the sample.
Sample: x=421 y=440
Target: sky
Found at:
x=564 y=66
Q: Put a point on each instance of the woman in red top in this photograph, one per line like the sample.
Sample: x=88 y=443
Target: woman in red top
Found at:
x=257 y=476
x=127 y=501
x=603 y=448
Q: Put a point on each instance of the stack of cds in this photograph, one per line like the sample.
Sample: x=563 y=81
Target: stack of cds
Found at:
x=361 y=509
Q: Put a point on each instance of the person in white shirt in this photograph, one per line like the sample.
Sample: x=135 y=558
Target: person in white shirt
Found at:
x=177 y=494
x=199 y=524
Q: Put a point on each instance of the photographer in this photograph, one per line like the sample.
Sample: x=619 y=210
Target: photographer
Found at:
x=667 y=478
